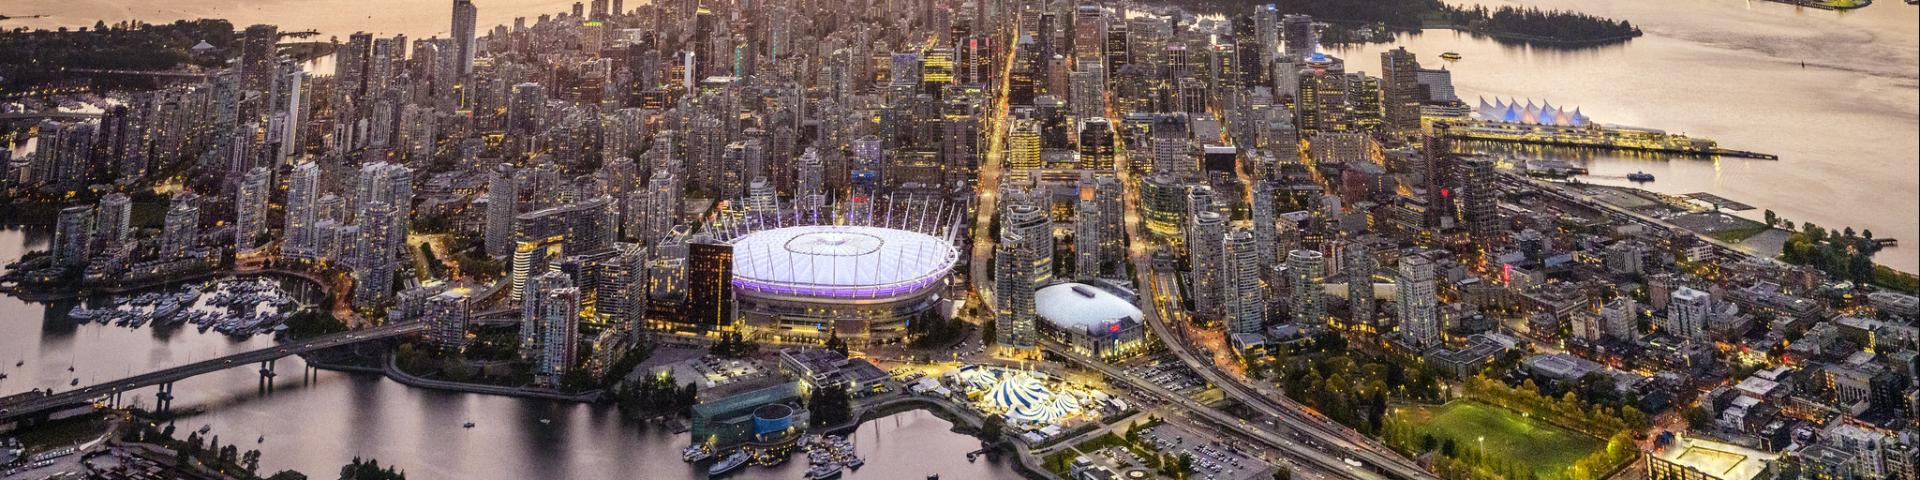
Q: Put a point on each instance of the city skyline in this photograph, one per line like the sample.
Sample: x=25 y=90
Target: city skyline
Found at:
x=1064 y=226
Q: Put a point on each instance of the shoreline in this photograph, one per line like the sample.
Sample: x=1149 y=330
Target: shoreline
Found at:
x=1824 y=5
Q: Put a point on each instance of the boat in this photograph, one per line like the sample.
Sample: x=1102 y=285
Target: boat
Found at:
x=545 y=421
x=728 y=464
x=1450 y=56
x=822 y=472
x=693 y=453
x=467 y=425
x=1640 y=177
x=263 y=439
x=856 y=462
x=205 y=428
x=80 y=312
x=74 y=382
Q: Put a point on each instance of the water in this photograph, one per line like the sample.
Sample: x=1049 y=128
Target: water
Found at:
x=317 y=426
x=1845 y=125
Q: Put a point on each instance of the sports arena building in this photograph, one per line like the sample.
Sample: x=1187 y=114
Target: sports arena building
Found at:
x=864 y=280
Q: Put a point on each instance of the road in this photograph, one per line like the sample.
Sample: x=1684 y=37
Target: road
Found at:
x=987 y=190
x=1259 y=398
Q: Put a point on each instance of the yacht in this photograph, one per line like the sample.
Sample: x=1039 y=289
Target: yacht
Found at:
x=1640 y=177
x=728 y=464
x=1450 y=56
x=80 y=312
x=856 y=462
x=693 y=453
x=823 y=472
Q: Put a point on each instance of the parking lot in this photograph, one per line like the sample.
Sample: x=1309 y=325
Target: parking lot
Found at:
x=1212 y=458
x=1164 y=369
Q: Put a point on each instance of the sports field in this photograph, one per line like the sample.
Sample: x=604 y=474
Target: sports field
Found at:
x=1504 y=433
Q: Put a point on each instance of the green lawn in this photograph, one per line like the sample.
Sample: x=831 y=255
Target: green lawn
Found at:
x=1504 y=433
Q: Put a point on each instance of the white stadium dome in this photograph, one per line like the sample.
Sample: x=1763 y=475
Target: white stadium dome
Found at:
x=1082 y=307
x=849 y=261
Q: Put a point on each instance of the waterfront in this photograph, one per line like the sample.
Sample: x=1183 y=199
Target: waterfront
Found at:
x=1844 y=125
x=418 y=430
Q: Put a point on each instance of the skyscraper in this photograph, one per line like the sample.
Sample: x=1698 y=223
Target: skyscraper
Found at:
x=303 y=211
x=382 y=235
x=447 y=314
x=1245 y=298
x=113 y=223
x=1479 y=198
x=1205 y=240
x=1418 y=305
x=1170 y=146
x=1266 y=232
x=1306 y=270
x=258 y=50
x=709 y=284
x=503 y=197
x=1034 y=228
x=73 y=236
x=250 y=209
x=1013 y=292
x=559 y=312
x=464 y=16
x=1357 y=261
x=1087 y=235
x=1687 y=313
x=1300 y=37
x=1400 y=90
x=181 y=229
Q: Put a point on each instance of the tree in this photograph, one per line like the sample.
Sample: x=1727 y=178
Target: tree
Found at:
x=836 y=344
x=1698 y=418
x=1282 y=473
x=1772 y=218
x=994 y=427
x=369 y=470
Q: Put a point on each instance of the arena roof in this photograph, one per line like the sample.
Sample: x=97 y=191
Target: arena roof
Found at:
x=1080 y=306
x=840 y=260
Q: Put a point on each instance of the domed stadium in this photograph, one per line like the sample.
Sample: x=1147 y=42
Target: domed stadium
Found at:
x=863 y=283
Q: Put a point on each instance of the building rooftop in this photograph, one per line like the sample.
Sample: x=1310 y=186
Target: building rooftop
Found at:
x=1719 y=460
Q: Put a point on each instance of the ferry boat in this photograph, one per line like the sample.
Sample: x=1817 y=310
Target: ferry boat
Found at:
x=1640 y=177
x=1450 y=56
x=823 y=472
x=728 y=464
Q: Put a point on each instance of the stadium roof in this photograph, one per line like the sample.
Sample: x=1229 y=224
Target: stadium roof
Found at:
x=1079 y=306
x=840 y=260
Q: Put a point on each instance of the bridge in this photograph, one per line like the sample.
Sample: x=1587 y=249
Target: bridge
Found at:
x=28 y=406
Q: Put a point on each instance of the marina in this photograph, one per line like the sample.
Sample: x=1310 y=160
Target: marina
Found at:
x=233 y=307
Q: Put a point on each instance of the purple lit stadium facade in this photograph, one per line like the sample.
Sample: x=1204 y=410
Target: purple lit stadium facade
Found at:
x=864 y=283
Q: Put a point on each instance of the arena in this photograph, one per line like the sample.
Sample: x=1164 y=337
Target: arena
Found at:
x=800 y=284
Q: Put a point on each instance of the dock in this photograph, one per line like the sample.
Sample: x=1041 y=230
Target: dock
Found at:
x=1719 y=202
